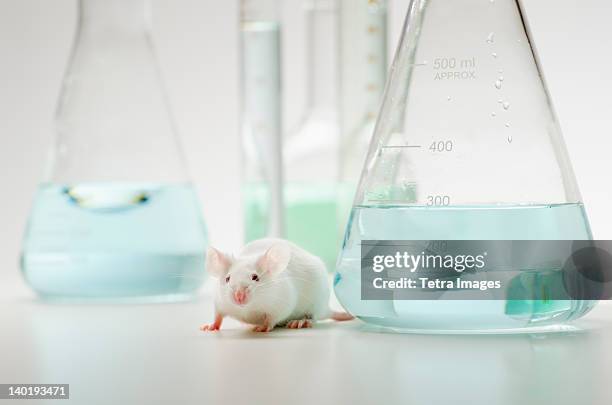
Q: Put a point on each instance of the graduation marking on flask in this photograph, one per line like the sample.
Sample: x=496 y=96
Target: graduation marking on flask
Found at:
x=454 y=69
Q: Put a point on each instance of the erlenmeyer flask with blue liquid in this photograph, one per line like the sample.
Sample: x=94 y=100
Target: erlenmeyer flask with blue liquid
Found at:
x=467 y=147
x=116 y=215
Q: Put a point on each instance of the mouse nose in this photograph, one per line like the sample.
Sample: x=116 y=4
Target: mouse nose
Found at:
x=240 y=296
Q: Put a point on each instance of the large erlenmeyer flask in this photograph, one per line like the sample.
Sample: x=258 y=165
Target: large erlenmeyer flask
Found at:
x=116 y=215
x=467 y=147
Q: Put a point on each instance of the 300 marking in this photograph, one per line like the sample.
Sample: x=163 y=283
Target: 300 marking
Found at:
x=438 y=200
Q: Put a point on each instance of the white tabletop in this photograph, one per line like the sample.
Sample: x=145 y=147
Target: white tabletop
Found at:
x=155 y=354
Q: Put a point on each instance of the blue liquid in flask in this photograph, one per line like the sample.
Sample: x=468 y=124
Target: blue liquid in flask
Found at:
x=115 y=240
x=522 y=222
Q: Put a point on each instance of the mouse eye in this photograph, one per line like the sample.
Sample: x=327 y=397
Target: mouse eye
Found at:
x=254 y=277
x=227 y=279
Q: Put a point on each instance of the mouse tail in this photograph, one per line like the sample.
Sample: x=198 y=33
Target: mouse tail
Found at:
x=340 y=316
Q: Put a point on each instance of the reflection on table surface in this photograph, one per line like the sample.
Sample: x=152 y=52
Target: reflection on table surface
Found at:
x=155 y=354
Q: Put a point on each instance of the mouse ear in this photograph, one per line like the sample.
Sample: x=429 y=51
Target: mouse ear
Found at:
x=275 y=259
x=217 y=263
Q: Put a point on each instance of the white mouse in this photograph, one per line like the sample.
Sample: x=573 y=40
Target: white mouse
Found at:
x=272 y=282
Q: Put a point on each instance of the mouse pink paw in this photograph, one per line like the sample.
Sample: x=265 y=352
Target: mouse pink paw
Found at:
x=215 y=326
x=210 y=327
x=262 y=328
x=299 y=324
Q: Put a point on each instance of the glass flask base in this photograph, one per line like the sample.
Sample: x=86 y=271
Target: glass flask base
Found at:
x=144 y=299
x=115 y=241
x=378 y=325
x=539 y=222
x=474 y=317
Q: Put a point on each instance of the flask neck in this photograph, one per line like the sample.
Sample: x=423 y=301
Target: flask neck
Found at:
x=113 y=102
x=322 y=56
x=114 y=17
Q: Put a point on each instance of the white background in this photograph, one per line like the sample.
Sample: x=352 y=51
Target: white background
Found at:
x=155 y=354
x=197 y=44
